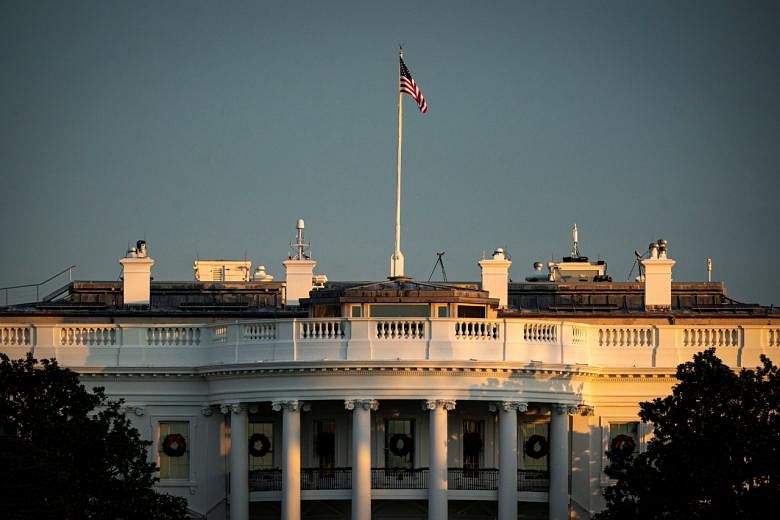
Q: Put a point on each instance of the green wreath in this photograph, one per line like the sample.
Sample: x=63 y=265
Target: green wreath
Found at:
x=623 y=443
x=536 y=447
x=265 y=445
x=400 y=444
x=174 y=445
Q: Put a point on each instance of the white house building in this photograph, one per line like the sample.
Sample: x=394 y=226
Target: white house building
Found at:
x=304 y=398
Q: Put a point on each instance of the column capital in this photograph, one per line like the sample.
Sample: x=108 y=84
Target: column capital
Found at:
x=292 y=405
x=516 y=406
x=206 y=410
x=432 y=404
x=563 y=409
x=585 y=410
x=365 y=404
x=231 y=408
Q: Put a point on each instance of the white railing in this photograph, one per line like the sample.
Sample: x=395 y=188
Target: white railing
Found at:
x=321 y=329
x=774 y=336
x=711 y=337
x=540 y=332
x=88 y=336
x=173 y=336
x=219 y=334
x=400 y=329
x=626 y=337
x=477 y=329
x=15 y=336
x=579 y=335
x=260 y=331
x=497 y=339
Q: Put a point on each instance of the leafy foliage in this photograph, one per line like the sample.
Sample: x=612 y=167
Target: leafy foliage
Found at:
x=715 y=451
x=68 y=453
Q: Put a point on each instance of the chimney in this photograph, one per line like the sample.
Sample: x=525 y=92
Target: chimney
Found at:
x=658 y=278
x=136 y=275
x=299 y=268
x=495 y=276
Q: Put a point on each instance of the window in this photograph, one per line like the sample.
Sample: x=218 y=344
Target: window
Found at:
x=173 y=450
x=325 y=443
x=399 y=443
x=443 y=311
x=471 y=311
x=624 y=435
x=535 y=438
x=261 y=445
x=472 y=443
x=357 y=311
x=400 y=311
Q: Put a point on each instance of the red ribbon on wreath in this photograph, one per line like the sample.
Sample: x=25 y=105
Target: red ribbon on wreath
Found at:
x=174 y=445
x=623 y=443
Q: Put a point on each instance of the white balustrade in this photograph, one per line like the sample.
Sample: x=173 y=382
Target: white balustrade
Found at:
x=219 y=334
x=88 y=336
x=711 y=337
x=540 y=332
x=260 y=331
x=626 y=337
x=173 y=336
x=578 y=335
x=477 y=329
x=774 y=337
x=321 y=330
x=15 y=336
x=400 y=329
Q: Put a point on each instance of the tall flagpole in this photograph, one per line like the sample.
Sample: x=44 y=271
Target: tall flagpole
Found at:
x=397 y=260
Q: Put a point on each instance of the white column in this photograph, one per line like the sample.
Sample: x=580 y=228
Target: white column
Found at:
x=291 y=458
x=361 y=456
x=559 y=461
x=437 y=476
x=239 y=461
x=507 y=469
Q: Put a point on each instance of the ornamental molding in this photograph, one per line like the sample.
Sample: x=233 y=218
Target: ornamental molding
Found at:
x=513 y=406
x=231 y=409
x=292 y=405
x=432 y=404
x=563 y=409
x=206 y=410
x=365 y=404
x=585 y=410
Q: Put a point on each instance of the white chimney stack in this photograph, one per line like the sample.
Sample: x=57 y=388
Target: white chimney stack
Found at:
x=495 y=277
x=299 y=268
x=137 y=275
x=658 y=278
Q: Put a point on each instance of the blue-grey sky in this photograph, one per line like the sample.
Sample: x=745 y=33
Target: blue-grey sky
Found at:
x=209 y=127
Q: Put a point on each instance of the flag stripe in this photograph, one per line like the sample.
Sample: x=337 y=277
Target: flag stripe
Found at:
x=409 y=86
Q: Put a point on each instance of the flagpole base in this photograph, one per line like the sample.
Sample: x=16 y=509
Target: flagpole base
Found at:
x=397 y=264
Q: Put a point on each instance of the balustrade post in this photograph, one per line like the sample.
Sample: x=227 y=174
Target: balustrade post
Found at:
x=361 y=456
x=291 y=458
x=437 y=477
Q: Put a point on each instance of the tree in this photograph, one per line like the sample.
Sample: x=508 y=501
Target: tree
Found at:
x=715 y=451
x=68 y=453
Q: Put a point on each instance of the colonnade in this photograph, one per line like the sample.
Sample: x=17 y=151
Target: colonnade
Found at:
x=361 y=458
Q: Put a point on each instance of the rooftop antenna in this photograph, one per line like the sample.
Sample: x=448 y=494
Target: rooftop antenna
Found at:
x=709 y=269
x=638 y=264
x=575 y=252
x=439 y=262
x=299 y=246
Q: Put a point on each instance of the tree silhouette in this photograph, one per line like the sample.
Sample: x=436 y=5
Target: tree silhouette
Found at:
x=715 y=451
x=68 y=453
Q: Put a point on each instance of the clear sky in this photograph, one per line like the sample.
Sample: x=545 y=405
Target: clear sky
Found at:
x=209 y=127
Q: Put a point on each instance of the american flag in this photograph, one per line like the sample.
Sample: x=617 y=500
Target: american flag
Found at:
x=409 y=86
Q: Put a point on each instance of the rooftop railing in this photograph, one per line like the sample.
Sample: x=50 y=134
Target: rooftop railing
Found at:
x=366 y=339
